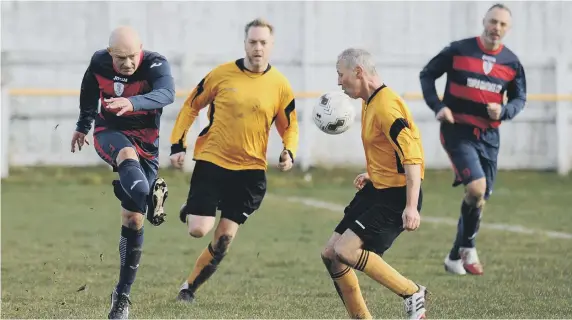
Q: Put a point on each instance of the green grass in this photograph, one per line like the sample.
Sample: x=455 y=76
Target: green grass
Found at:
x=60 y=229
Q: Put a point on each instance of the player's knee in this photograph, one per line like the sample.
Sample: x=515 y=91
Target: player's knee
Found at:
x=198 y=226
x=126 y=153
x=476 y=191
x=344 y=253
x=198 y=231
x=132 y=220
x=328 y=256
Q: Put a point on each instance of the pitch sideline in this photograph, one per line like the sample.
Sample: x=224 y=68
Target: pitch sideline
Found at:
x=447 y=221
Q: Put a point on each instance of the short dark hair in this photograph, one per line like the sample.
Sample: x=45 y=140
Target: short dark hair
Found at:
x=500 y=6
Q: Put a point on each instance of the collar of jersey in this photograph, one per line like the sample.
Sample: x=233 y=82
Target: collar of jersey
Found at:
x=375 y=92
x=242 y=67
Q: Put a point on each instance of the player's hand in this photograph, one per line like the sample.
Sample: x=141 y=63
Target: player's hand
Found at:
x=411 y=219
x=122 y=104
x=445 y=115
x=178 y=160
x=286 y=161
x=494 y=111
x=361 y=180
x=78 y=139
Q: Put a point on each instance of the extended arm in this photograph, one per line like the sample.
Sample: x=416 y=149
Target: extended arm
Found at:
x=163 y=88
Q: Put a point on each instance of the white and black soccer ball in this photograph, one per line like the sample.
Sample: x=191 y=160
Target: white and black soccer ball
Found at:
x=334 y=113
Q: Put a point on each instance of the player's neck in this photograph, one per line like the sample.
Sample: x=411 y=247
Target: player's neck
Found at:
x=254 y=69
x=371 y=85
x=487 y=45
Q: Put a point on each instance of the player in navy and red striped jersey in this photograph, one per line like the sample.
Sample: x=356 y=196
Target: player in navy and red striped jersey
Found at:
x=480 y=70
x=133 y=86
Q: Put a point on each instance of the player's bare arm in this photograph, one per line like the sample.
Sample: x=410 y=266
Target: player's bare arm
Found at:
x=88 y=103
x=411 y=217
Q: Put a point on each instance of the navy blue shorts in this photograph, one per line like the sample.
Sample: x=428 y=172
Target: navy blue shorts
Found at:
x=471 y=159
x=107 y=144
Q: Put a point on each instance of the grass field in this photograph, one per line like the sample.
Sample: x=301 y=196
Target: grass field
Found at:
x=60 y=230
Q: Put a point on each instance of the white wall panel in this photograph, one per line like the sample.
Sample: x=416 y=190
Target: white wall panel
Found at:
x=48 y=45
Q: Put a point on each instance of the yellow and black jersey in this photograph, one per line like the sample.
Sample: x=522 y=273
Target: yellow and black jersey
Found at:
x=242 y=107
x=390 y=139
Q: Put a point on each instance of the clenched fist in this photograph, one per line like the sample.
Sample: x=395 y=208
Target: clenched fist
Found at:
x=178 y=160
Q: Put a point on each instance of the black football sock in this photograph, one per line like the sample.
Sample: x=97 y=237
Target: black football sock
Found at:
x=471 y=221
x=467 y=229
x=454 y=254
x=134 y=182
x=130 y=248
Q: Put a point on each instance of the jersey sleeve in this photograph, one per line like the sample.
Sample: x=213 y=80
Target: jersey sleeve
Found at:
x=516 y=94
x=397 y=129
x=434 y=69
x=162 y=87
x=88 y=101
x=200 y=97
x=287 y=121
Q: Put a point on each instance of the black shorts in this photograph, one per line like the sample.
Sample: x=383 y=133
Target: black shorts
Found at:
x=107 y=144
x=236 y=193
x=375 y=215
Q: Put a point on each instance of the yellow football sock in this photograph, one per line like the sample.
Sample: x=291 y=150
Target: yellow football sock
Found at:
x=377 y=269
x=346 y=283
x=206 y=258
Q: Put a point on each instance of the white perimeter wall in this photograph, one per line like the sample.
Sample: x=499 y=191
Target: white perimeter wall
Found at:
x=48 y=45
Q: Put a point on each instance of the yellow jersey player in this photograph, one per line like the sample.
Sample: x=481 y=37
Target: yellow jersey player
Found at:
x=389 y=196
x=246 y=97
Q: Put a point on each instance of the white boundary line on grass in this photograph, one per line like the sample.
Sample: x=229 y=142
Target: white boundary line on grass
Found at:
x=447 y=221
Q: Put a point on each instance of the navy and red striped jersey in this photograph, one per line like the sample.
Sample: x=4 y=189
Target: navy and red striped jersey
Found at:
x=149 y=89
x=475 y=78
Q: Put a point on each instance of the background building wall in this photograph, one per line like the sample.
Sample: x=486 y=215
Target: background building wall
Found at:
x=47 y=45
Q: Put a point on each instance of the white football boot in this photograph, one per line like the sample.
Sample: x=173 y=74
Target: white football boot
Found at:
x=454 y=266
x=415 y=304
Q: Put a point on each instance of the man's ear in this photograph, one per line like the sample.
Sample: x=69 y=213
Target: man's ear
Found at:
x=359 y=72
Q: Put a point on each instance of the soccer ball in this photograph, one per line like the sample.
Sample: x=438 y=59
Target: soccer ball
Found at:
x=333 y=113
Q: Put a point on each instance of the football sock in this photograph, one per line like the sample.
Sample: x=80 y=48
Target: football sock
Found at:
x=130 y=246
x=377 y=269
x=205 y=266
x=346 y=283
x=134 y=182
x=471 y=218
x=467 y=228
